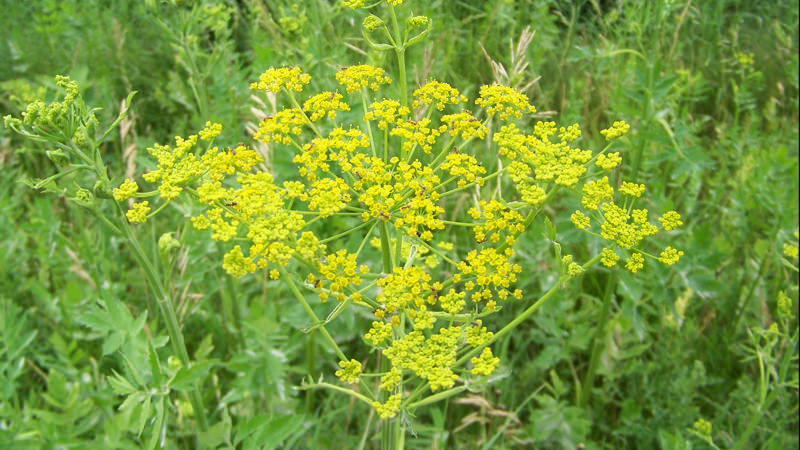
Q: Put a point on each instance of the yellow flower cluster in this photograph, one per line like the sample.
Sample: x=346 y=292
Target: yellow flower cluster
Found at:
x=379 y=332
x=355 y=77
x=623 y=227
x=441 y=94
x=416 y=133
x=389 y=409
x=504 y=101
x=325 y=104
x=619 y=128
x=280 y=127
x=138 y=213
x=485 y=364
x=429 y=358
x=608 y=161
x=341 y=271
x=497 y=218
x=386 y=111
x=465 y=168
x=290 y=78
x=490 y=269
x=464 y=124
x=126 y=190
x=549 y=161
x=350 y=371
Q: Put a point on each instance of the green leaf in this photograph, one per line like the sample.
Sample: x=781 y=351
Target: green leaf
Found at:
x=96 y=319
x=247 y=428
x=186 y=377
x=204 y=349
x=144 y=414
x=217 y=434
x=550 y=230
x=120 y=385
x=132 y=401
x=121 y=318
x=157 y=430
x=155 y=367
x=274 y=432
x=113 y=342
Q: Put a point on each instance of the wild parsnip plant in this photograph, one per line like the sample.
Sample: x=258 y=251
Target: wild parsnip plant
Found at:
x=479 y=276
x=393 y=169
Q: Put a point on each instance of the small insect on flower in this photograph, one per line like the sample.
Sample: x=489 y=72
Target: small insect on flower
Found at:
x=317 y=283
x=230 y=205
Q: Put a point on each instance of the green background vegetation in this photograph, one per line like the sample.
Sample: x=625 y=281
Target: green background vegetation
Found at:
x=713 y=136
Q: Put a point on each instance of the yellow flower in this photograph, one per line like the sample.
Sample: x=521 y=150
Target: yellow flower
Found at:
x=325 y=104
x=504 y=101
x=618 y=129
x=635 y=262
x=291 y=78
x=632 y=189
x=389 y=409
x=126 y=190
x=386 y=112
x=485 y=364
x=138 y=213
x=440 y=93
x=211 y=131
x=670 y=220
x=355 y=77
x=670 y=256
x=609 y=161
x=379 y=332
x=351 y=371
x=236 y=264
x=391 y=379
x=609 y=258
x=580 y=220
x=465 y=124
x=790 y=251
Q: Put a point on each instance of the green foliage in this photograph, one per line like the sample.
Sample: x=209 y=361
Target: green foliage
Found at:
x=85 y=352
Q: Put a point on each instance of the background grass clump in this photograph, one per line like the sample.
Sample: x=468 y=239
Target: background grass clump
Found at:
x=711 y=93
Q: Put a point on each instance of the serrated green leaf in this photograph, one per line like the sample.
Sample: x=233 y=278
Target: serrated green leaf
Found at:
x=96 y=319
x=247 y=428
x=274 y=432
x=185 y=378
x=113 y=342
x=217 y=434
x=132 y=400
x=120 y=385
x=121 y=318
x=204 y=349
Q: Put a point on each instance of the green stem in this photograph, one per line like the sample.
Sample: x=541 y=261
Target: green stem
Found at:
x=597 y=345
x=170 y=318
x=386 y=250
x=327 y=336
